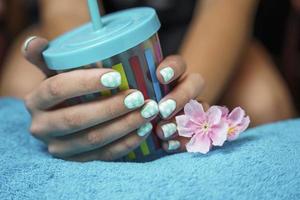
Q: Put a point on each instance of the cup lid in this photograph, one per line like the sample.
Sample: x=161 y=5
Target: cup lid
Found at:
x=118 y=32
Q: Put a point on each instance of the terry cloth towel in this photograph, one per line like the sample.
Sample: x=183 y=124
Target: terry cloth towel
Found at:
x=264 y=163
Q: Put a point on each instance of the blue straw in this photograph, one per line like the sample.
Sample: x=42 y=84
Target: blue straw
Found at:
x=95 y=14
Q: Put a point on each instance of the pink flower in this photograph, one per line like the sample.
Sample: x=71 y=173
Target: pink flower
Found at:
x=210 y=128
x=237 y=121
x=206 y=129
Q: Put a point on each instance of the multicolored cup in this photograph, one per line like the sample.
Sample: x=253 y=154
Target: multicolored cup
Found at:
x=126 y=41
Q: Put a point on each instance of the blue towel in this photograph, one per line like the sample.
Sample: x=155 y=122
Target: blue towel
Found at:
x=264 y=163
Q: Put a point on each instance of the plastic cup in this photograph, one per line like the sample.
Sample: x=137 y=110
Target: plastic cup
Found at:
x=126 y=41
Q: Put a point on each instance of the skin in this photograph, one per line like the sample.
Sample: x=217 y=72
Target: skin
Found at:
x=224 y=28
x=102 y=129
x=220 y=47
x=246 y=69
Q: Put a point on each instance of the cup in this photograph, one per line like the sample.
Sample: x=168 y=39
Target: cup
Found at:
x=126 y=41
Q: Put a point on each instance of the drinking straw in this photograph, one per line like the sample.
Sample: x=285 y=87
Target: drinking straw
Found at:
x=95 y=14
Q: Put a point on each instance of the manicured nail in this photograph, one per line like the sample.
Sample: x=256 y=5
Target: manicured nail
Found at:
x=111 y=79
x=173 y=145
x=169 y=129
x=167 y=73
x=134 y=100
x=167 y=107
x=27 y=42
x=150 y=109
x=143 y=130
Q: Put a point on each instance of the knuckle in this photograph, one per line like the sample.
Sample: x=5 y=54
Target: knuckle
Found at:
x=35 y=129
x=94 y=138
x=28 y=103
x=53 y=150
x=55 y=87
x=72 y=120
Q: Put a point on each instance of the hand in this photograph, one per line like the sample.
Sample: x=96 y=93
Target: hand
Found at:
x=187 y=87
x=103 y=129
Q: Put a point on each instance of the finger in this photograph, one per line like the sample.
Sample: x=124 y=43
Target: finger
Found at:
x=117 y=149
x=205 y=105
x=175 y=145
x=67 y=85
x=68 y=120
x=170 y=69
x=32 y=50
x=104 y=134
x=166 y=129
x=188 y=88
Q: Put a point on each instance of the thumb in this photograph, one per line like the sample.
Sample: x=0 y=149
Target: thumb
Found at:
x=32 y=50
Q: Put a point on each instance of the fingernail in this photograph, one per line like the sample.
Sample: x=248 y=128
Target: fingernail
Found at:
x=150 y=109
x=143 y=130
x=111 y=79
x=134 y=100
x=173 y=145
x=27 y=42
x=167 y=73
x=169 y=129
x=167 y=107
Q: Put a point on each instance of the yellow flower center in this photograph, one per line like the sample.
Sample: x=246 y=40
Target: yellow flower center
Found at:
x=205 y=127
x=231 y=130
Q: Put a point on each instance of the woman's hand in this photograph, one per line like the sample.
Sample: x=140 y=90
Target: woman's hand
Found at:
x=187 y=86
x=104 y=129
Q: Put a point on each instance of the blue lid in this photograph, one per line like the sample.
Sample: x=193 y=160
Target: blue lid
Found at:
x=97 y=41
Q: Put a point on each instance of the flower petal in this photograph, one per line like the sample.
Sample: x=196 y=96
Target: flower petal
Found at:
x=213 y=115
x=199 y=143
x=239 y=129
x=194 y=109
x=182 y=120
x=185 y=132
x=224 y=110
x=218 y=134
x=236 y=116
x=185 y=127
x=244 y=123
x=233 y=136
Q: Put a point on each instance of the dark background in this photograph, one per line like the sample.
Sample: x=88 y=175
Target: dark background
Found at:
x=277 y=26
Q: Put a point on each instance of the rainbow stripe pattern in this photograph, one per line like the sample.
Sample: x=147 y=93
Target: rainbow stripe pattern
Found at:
x=137 y=67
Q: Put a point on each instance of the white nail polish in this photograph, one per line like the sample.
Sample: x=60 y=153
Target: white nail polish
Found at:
x=173 y=145
x=169 y=129
x=145 y=129
x=134 y=100
x=167 y=73
x=111 y=79
x=167 y=107
x=149 y=110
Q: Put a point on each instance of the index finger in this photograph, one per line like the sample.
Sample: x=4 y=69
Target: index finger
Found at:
x=67 y=85
x=170 y=69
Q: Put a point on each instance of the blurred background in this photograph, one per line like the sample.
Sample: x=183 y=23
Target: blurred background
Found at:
x=277 y=26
